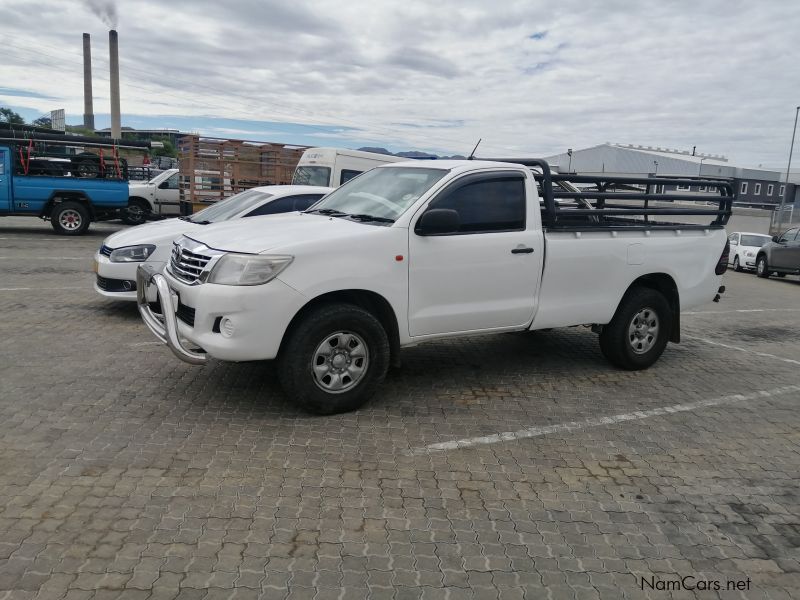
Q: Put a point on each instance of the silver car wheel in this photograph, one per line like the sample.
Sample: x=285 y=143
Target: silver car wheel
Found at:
x=70 y=219
x=643 y=330
x=340 y=362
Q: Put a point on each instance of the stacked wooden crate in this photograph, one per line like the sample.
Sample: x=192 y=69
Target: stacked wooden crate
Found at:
x=212 y=169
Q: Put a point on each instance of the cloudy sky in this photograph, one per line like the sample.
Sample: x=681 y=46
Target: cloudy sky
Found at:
x=529 y=77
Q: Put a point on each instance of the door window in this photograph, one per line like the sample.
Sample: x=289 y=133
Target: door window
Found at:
x=789 y=235
x=172 y=182
x=488 y=204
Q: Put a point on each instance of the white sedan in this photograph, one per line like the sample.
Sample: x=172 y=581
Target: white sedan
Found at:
x=744 y=247
x=116 y=261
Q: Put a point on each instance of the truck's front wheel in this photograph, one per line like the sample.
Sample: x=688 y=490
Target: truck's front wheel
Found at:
x=70 y=218
x=136 y=213
x=334 y=359
x=639 y=331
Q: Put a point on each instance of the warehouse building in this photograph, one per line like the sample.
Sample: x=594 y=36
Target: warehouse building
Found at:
x=753 y=187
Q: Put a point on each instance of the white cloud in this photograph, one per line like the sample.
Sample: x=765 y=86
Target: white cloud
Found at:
x=716 y=74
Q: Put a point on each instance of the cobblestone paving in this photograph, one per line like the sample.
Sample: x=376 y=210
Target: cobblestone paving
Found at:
x=127 y=474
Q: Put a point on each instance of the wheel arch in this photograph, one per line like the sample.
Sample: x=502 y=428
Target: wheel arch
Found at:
x=145 y=201
x=67 y=196
x=665 y=284
x=370 y=301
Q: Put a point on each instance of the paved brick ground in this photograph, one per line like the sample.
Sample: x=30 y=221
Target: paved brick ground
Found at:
x=127 y=474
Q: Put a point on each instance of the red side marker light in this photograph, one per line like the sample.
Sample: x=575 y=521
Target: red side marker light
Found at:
x=399 y=258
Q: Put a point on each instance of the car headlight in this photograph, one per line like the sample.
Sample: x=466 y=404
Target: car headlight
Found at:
x=132 y=253
x=749 y=254
x=248 y=269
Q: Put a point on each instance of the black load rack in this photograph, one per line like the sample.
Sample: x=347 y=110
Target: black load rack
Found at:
x=615 y=200
x=40 y=153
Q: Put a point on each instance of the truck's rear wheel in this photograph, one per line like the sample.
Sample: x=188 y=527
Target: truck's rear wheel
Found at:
x=136 y=213
x=637 y=335
x=334 y=359
x=70 y=218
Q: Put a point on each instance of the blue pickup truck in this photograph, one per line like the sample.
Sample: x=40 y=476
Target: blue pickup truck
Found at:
x=70 y=191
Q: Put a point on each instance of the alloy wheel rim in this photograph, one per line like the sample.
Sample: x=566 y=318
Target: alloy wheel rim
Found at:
x=70 y=219
x=643 y=330
x=340 y=362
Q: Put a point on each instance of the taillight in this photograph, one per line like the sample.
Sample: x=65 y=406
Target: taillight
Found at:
x=722 y=263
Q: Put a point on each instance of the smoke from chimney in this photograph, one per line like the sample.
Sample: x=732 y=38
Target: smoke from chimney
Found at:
x=106 y=10
x=88 y=110
x=113 y=50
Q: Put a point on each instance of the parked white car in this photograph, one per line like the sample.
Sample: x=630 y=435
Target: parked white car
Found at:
x=120 y=254
x=744 y=248
x=412 y=252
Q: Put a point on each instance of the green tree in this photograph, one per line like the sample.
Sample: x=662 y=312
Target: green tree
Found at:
x=43 y=122
x=9 y=116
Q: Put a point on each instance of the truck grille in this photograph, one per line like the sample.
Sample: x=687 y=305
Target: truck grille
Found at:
x=187 y=265
x=105 y=250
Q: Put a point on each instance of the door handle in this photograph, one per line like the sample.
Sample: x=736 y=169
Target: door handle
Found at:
x=522 y=250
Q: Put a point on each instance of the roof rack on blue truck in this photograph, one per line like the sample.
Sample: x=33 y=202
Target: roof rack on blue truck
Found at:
x=70 y=180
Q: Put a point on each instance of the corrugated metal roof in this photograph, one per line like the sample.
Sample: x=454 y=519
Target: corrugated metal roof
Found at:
x=621 y=159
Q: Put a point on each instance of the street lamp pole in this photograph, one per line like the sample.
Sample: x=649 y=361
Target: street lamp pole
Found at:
x=700 y=170
x=788 y=168
x=569 y=168
x=655 y=162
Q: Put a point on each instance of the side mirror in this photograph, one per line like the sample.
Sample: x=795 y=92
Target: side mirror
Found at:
x=734 y=243
x=775 y=238
x=164 y=185
x=438 y=221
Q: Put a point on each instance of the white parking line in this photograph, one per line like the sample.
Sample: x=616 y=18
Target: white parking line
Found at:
x=740 y=310
x=746 y=350
x=531 y=432
x=87 y=259
x=36 y=289
x=140 y=344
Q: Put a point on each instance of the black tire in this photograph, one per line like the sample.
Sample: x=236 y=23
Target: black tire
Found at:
x=781 y=274
x=136 y=213
x=87 y=168
x=762 y=268
x=617 y=342
x=315 y=330
x=736 y=266
x=70 y=218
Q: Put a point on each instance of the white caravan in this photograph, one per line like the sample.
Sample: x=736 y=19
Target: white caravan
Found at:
x=332 y=167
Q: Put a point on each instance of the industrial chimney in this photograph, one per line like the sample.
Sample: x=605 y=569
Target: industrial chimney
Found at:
x=88 y=110
x=113 y=49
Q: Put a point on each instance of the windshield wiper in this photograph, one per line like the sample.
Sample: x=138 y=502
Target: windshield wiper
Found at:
x=362 y=217
x=325 y=211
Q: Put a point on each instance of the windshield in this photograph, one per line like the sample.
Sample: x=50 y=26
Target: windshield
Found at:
x=225 y=209
x=311 y=176
x=755 y=240
x=385 y=193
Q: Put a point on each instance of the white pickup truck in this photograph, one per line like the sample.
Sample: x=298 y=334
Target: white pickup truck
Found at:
x=160 y=196
x=408 y=253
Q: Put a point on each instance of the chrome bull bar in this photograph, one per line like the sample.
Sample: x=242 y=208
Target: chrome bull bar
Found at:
x=164 y=326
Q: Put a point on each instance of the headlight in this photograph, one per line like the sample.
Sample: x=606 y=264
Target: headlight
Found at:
x=749 y=254
x=132 y=253
x=248 y=269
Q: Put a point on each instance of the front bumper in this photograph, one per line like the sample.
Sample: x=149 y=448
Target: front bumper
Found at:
x=258 y=317
x=118 y=280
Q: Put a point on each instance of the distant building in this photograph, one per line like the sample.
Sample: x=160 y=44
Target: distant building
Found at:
x=145 y=134
x=753 y=187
